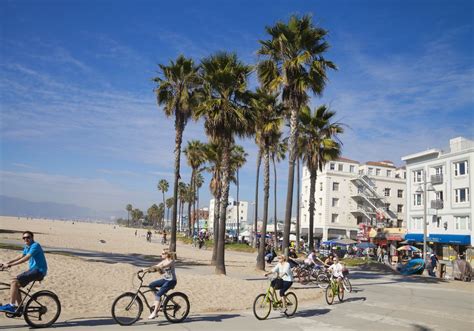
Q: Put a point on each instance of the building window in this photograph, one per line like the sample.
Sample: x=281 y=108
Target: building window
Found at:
x=438 y=170
x=399 y=208
x=400 y=193
x=335 y=202
x=321 y=186
x=320 y=201
x=371 y=170
x=417 y=223
x=461 y=195
x=334 y=218
x=439 y=195
x=404 y=175
x=462 y=222
x=389 y=173
x=332 y=166
x=386 y=192
x=387 y=207
x=417 y=199
x=417 y=176
x=340 y=167
x=377 y=172
x=351 y=168
x=438 y=221
x=335 y=186
x=460 y=168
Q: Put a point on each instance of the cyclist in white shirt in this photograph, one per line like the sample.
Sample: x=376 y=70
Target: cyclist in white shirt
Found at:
x=336 y=271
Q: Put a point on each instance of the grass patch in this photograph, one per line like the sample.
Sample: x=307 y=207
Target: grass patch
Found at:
x=355 y=262
x=240 y=248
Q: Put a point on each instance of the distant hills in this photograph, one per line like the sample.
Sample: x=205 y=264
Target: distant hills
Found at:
x=10 y=206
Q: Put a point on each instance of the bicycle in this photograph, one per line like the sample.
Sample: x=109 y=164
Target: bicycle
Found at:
x=128 y=307
x=40 y=309
x=346 y=283
x=264 y=302
x=332 y=290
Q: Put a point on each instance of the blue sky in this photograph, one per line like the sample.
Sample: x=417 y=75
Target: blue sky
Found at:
x=79 y=120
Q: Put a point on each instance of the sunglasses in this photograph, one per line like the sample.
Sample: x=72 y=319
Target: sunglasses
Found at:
x=27 y=238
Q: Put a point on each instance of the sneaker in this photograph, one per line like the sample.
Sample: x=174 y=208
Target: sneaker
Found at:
x=152 y=316
x=8 y=308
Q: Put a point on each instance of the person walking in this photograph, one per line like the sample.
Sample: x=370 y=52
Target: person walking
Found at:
x=33 y=253
x=433 y=265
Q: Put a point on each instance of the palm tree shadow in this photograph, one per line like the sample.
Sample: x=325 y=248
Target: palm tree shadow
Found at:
x=312 y=312
x=204 y=318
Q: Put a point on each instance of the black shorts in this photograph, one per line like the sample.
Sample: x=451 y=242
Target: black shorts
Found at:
x=28 y=276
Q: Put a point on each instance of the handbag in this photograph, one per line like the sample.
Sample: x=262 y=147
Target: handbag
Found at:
x=277 y=283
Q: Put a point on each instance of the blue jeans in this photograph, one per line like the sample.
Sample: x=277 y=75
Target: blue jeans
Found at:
x=164 y=285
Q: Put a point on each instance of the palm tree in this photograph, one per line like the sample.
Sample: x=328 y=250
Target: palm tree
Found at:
x=320 y=143
x=182 y=192
x=213 y=154
x=163 y=186
x=255 y=224
x=226 y=115
x=294 y=63
x=169 y=204
x=128 y=208
x=194 y=153
x=267 y=128
x=175 y=91
x=198 y=182
x=153 y=214
x=237 y=160
x=278 y=153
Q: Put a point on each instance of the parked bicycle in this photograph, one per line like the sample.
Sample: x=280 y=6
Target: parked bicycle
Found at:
x=264 y=302
x=332 y=290
x=40 y=309
x=128 y=307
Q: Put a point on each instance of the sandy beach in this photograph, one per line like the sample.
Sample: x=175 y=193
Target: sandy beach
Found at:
x=87 y=287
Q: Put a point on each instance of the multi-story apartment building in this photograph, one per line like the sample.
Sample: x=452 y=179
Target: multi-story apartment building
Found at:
x=350 y=195
x=231 y=222
x=438 y=188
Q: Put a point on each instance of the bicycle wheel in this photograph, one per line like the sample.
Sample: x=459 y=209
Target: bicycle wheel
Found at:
x=291 y=304
x=176 y=307
x=42 y=309
x=347 y=284
x=329 y=295
x=261 y=307
x=340 y=293
x=323 y=280
x=127 y=308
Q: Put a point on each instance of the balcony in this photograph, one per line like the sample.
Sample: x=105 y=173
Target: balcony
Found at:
x=437 y=179
x=437 y=204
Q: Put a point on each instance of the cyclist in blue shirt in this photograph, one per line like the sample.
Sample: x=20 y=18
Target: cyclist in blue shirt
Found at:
x=33 y=253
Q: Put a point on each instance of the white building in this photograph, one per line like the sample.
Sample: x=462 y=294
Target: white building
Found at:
x=447 y=178
x=231 y=222
x=349 y=194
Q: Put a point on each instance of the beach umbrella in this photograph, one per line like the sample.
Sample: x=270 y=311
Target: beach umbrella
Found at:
x=366 y=245
x=345 y=241
x=409 y=248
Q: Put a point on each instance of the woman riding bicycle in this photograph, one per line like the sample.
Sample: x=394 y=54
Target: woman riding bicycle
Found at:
x=168 y=282
x=284 y=272
x=336 y=271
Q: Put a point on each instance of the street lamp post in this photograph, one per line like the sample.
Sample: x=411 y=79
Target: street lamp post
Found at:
x=426 y=188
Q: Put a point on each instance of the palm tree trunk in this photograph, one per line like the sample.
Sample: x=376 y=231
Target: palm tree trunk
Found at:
x=298 y=220
x=266 y=196
x=259 y=161
x=312 y=181
x=217 y=205
x=162 y=226
x=291 y=175
x=193 y=200
x=197 y=204
x=238 y=204
x=275 y=201
x=220 y=258
x=190 y=224
x=179 y=127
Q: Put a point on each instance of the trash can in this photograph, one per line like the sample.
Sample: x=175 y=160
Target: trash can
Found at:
x=441 y=269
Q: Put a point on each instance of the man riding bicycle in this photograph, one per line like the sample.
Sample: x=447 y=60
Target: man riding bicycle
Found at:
x=38 y=268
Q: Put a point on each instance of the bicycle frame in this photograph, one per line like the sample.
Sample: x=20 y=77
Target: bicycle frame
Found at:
x=272 y=297
x=141 y=294
x=23 y=294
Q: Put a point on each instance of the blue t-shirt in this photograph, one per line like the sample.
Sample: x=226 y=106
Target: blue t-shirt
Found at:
x=37 y=258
